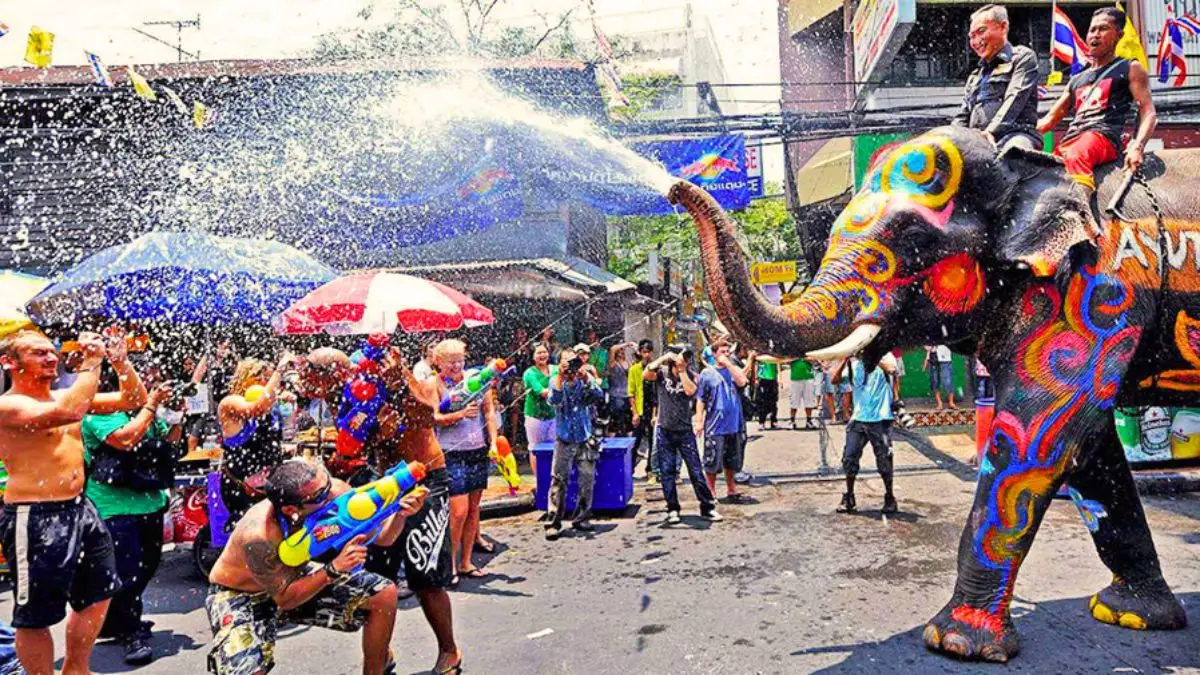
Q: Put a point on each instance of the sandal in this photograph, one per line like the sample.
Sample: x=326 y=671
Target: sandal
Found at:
x=474 y=573
x=455 y=669
x=484 y=546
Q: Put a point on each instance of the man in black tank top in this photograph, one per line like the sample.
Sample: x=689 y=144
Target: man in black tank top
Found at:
x=1101 y=99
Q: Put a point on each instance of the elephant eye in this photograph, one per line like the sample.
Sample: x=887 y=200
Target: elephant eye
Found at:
x=914 y=240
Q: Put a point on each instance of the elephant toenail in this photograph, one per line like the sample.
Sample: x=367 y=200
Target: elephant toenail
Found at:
x=932 y=636
x=957 y=643
x=993 y=653
x=1101 y=612
x=1092 y=603
x=1131 y=620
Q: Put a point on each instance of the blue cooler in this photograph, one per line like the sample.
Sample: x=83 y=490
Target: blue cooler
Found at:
x=614 y=476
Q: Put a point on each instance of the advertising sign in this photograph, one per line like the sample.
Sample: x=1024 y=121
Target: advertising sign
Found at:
x=879 y=28
x=773 y=272
x=754 y=178
x=1157 y=434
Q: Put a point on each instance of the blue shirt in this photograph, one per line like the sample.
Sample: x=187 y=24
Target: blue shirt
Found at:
x=573 y=409
x=722 y=402
x=872 y=394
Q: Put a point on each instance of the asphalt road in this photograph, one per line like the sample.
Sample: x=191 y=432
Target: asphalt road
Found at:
x=781 y=586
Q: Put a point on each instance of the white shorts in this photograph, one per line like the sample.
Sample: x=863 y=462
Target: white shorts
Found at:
x=803 y=394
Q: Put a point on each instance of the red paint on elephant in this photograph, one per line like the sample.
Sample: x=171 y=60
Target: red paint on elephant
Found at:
x=955 y=285
x=978 y=618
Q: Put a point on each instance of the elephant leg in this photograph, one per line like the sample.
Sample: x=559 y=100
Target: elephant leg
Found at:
x=1016 y=484
x=1104 y=490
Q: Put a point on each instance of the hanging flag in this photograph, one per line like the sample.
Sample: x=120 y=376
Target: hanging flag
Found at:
x=140 y=85
x=102 y=77
x=1170 y=54
x=39 y=47
x=1042 y=92
x=201 y=115
x=1054 y=78
x=1189 y=25
x=173 y=97
x=1130 y=46
x=1066 y=45
x=3 y=29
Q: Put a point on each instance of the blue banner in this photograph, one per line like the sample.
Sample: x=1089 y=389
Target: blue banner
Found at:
x=618 y=186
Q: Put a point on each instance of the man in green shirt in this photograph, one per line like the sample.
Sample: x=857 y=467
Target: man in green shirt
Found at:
x=802 y=392
x=133 y=516
x=767 y=399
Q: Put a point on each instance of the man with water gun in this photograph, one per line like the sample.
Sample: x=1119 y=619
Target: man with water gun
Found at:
x=254 y=590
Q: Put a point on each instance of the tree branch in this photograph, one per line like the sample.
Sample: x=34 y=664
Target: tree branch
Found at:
x=550 y=31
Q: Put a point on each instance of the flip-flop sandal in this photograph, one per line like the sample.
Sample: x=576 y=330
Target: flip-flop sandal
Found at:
x=455 y=669
x=485 y=547
x=474 y=574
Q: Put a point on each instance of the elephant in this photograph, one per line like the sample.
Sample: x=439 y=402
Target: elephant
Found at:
x=1072 y=311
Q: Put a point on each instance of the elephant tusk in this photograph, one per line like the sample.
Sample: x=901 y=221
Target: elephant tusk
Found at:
x=853 y=344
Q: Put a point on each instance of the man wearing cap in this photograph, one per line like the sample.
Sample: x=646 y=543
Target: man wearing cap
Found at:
x=1001 y=94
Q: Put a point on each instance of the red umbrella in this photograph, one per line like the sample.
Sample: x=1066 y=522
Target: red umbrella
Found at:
x=378 y=302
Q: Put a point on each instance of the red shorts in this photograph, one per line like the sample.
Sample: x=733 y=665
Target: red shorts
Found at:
x=1083 y=153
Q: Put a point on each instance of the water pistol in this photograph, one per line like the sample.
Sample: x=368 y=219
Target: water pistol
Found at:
x=362 y=398
x=474 y=385
x=507 y=464
x=360 y=511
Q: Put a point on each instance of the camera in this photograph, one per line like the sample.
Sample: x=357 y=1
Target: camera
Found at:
x=683 y=350
x=903 y=417
x=573 y=365
x=179 y=391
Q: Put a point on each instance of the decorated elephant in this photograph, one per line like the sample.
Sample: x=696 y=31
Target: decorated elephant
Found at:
x=1072 y=313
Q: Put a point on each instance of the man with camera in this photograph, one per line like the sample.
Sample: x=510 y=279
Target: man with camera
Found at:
x=573 y=392
x=61 y=552
x=675 y=381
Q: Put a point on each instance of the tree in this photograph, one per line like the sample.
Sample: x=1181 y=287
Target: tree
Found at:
x=765 y=227
x=455 y=27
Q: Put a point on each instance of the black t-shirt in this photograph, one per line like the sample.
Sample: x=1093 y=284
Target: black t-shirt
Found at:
x=1102 y=101
x=674 y=405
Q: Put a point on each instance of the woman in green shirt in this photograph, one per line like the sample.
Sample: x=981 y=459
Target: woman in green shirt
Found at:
x=133 y=516
x=539 y=414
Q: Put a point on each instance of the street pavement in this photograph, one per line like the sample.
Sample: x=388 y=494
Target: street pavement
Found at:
x=781 y=586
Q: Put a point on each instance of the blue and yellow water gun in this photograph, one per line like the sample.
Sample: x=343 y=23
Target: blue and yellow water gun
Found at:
x=361 y=511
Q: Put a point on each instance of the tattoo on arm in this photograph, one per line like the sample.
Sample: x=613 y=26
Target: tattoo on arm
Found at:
x=262 y=560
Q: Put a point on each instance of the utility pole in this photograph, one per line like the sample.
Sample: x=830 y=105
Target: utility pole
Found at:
x=179 y=25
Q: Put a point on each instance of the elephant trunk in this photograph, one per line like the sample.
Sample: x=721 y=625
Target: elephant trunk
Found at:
x=797 y=329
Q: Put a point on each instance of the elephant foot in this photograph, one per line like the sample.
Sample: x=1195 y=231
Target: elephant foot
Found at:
x=1145 y=607
x=973 y=634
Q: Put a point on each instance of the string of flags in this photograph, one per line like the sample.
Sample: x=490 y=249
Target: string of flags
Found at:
x=39 y=52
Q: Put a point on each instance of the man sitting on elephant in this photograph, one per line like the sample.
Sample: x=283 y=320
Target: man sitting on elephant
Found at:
x=1001 y=93
x=1102 y=98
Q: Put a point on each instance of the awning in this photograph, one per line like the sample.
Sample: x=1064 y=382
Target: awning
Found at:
x=804 y=13
x=569 y=279
x=827 y=174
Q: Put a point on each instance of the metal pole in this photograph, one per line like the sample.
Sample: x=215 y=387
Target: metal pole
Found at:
x=848 y=52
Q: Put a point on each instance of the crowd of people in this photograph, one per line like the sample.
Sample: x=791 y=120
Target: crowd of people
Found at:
x=92 y=438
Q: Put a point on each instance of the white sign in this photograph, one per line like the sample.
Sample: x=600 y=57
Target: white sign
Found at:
x=879 y=28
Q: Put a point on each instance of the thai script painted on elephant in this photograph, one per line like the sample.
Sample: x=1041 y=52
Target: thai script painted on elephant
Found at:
x=1142 y=246
x=1071 y=365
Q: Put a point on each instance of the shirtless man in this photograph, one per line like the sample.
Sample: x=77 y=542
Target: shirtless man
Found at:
x=252 y=591
x=424 y=547
x=61 y=552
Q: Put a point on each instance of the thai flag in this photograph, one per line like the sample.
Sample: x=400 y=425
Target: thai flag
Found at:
x=3 y=29
x=98 y=70
x=1042 y=92
x=1189 y=24
x=1170 y=54
x=1066 y=45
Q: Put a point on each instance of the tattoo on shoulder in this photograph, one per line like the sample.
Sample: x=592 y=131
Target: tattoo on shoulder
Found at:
x=263 y=561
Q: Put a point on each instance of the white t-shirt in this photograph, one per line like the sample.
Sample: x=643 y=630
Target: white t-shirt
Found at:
x=943 y=353
x=422 y=371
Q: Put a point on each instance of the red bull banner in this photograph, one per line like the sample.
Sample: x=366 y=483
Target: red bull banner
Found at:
x=717 y=164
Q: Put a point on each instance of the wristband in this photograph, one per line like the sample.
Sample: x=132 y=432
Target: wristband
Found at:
x=333 y=573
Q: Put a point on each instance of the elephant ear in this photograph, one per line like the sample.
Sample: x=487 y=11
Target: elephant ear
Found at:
x=1048 y=214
